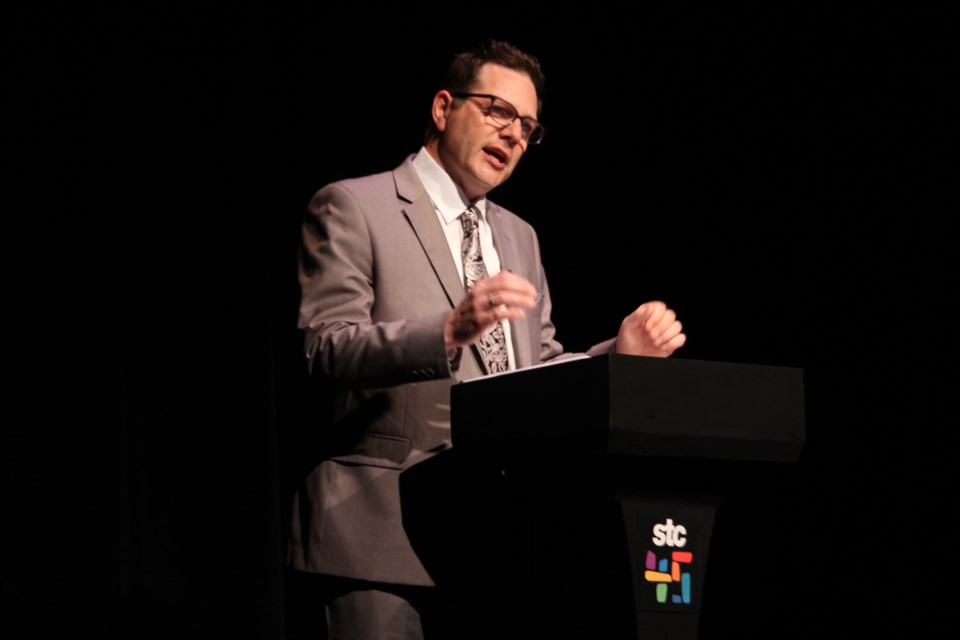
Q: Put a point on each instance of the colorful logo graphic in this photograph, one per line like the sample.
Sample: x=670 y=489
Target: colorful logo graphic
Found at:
x=670 y=572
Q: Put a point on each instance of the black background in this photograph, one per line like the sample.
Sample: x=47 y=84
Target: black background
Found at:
x=781 y=176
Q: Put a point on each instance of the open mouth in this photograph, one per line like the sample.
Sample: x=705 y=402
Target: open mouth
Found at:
x=499 y=155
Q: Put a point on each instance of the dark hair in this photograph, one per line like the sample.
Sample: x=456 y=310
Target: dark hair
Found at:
x=463 y=70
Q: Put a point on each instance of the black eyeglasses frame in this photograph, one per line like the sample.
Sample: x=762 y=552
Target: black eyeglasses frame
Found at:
x=536 y=132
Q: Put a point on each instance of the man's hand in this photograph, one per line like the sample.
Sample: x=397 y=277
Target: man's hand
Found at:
x=651 y=330
x=500 y=297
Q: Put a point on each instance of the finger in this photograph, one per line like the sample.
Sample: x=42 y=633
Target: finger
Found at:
x=513 y=298
x=668 y=334
x=651 y=312
x=490 y=294
x=508 y=281
x=482 y=310
x=662 y=324
x=674 y=343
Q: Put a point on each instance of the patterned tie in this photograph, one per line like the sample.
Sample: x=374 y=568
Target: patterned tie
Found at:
x=492 y=344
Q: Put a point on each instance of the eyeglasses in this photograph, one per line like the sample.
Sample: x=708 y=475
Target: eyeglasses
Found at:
x=505 y=114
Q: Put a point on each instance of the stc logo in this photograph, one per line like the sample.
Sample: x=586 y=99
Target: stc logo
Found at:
x=671 y=572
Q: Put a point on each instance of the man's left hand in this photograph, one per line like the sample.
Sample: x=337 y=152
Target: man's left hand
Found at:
x=651 y=330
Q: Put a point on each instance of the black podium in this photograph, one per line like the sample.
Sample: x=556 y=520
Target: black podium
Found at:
x=656 y=438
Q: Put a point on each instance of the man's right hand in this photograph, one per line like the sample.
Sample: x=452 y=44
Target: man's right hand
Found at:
x=500 y=297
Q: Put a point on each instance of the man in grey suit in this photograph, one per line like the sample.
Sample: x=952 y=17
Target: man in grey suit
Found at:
x=391 y=320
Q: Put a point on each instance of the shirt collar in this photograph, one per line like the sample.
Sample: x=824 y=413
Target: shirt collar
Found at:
x=447 y=197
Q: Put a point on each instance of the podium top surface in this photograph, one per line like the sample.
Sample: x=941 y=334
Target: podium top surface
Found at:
x=638 y=406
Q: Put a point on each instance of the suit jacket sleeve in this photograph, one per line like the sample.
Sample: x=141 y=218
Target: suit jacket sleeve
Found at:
x=347 y=337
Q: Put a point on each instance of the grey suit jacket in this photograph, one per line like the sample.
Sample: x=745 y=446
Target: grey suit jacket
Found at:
x=377 y=282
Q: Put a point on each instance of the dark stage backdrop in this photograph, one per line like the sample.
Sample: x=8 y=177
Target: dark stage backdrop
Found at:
x=779 y=176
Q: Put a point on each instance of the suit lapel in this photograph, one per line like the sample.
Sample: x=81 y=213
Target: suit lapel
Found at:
x=422 y=215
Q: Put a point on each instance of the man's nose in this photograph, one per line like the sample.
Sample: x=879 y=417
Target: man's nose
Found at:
x=514 y=130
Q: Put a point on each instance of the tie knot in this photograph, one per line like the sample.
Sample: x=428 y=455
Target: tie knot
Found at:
x=468 y=219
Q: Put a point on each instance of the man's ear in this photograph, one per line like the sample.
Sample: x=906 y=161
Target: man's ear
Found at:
x=442 y=106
